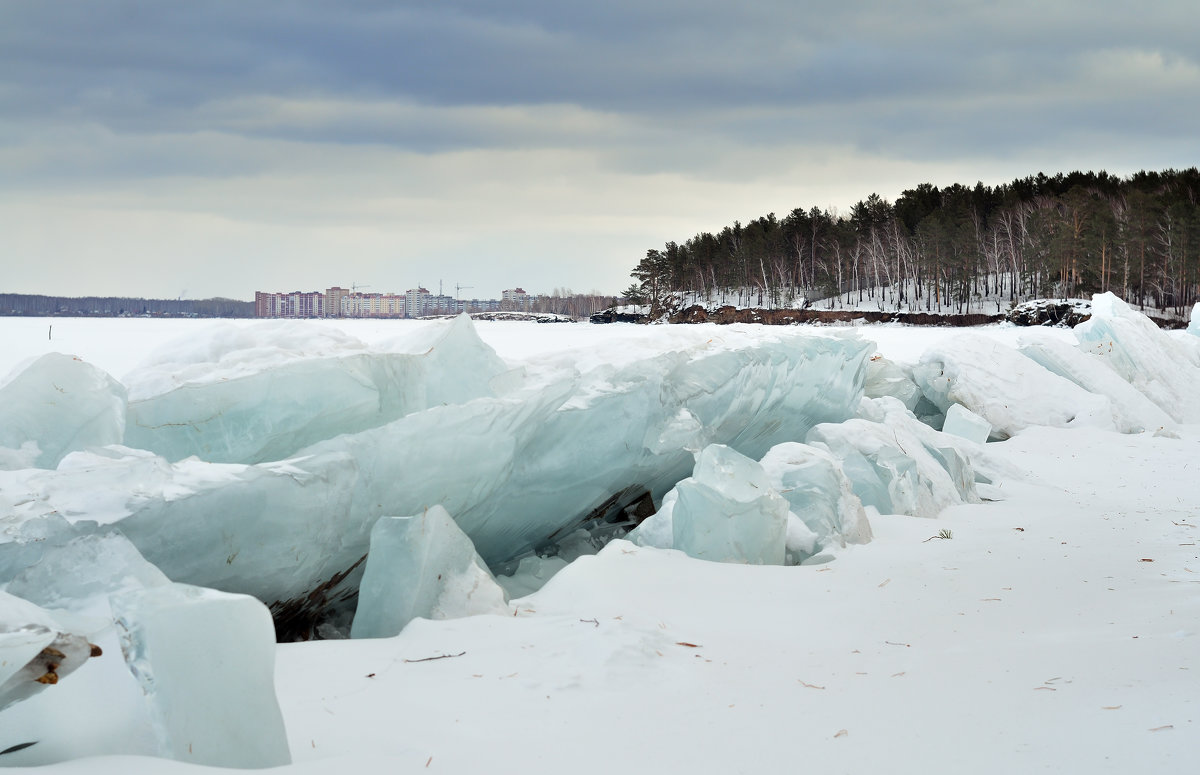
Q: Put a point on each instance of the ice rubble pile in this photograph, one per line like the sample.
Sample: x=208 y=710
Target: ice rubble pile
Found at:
x=1126 y=374
x=195 y=683
x=334 y=482
x=519 y=467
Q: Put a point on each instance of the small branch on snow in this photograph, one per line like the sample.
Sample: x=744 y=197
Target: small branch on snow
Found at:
x=440 y=656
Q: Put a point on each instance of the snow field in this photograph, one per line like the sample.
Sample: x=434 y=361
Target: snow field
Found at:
x=1051 y=626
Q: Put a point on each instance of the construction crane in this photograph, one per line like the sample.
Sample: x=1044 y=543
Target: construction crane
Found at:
x=355 y=286
x=458 y=288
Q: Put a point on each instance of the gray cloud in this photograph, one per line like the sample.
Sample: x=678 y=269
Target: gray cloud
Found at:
x=224 y=107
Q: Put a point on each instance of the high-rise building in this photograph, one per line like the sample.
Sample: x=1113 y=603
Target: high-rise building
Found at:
x=333 y=301
x=514 y=299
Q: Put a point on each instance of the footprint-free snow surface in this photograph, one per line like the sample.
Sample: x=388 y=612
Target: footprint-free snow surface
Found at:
x=892 y=598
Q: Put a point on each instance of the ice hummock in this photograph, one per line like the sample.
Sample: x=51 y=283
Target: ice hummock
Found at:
x=726 y=511
x=896 y=463
x=206 y=662
x=1143 y=355
x=422 y=566
x=1008 y=390
x=1132 y=411
x=517 y=470
x=55 y=405
x=819 y=495
x=249 y=395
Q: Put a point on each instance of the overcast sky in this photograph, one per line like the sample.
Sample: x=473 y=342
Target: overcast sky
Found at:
x=215 y=148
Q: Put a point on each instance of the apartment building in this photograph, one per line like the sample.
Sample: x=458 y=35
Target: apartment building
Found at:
x=415 y=302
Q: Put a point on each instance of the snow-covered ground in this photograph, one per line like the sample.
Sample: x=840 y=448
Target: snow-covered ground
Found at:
x=1054 y=627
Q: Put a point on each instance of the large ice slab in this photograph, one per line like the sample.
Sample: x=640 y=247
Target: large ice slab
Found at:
x=630 y=429
x=962 y=422
x=898 y=464
x=1132 y=411
x=811 y=480
x=1144 y=355
x=206 y=661
x=422 y=566
x=262 y=393
x=103 y=710
x=1008 y=390
x=518 y=471
x=726 y=511
x=71 y=575
x=887 y=378
x=55 y=405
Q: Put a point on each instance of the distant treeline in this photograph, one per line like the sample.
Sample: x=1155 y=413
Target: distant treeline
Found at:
x=937 y=249
x=112 y=306
x=564 y=301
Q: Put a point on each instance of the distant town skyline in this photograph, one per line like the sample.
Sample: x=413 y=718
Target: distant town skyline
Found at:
x=212 y=149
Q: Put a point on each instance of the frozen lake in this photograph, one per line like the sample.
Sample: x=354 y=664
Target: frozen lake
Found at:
x=1053 y=624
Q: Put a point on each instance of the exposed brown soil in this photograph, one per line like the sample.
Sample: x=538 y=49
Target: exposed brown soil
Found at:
x=784 y=317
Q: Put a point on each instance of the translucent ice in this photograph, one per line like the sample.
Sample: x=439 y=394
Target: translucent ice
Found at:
x=898 y=464
x=886 y=378
x=206 y=662
x=727 y=512
x=1144 y=355
x=518 y=471
x=1008 y=390
x=88 y=567
x=76 y=582
x=818 y=493
x=55 y=405
x=422 y=566
x=620 y=426
x=962 y=422
x=261 y=394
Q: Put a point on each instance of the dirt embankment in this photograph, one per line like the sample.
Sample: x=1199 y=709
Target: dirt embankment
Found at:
x=783 y=317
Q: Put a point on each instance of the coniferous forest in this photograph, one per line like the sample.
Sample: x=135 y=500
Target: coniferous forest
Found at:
x=947 y=249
